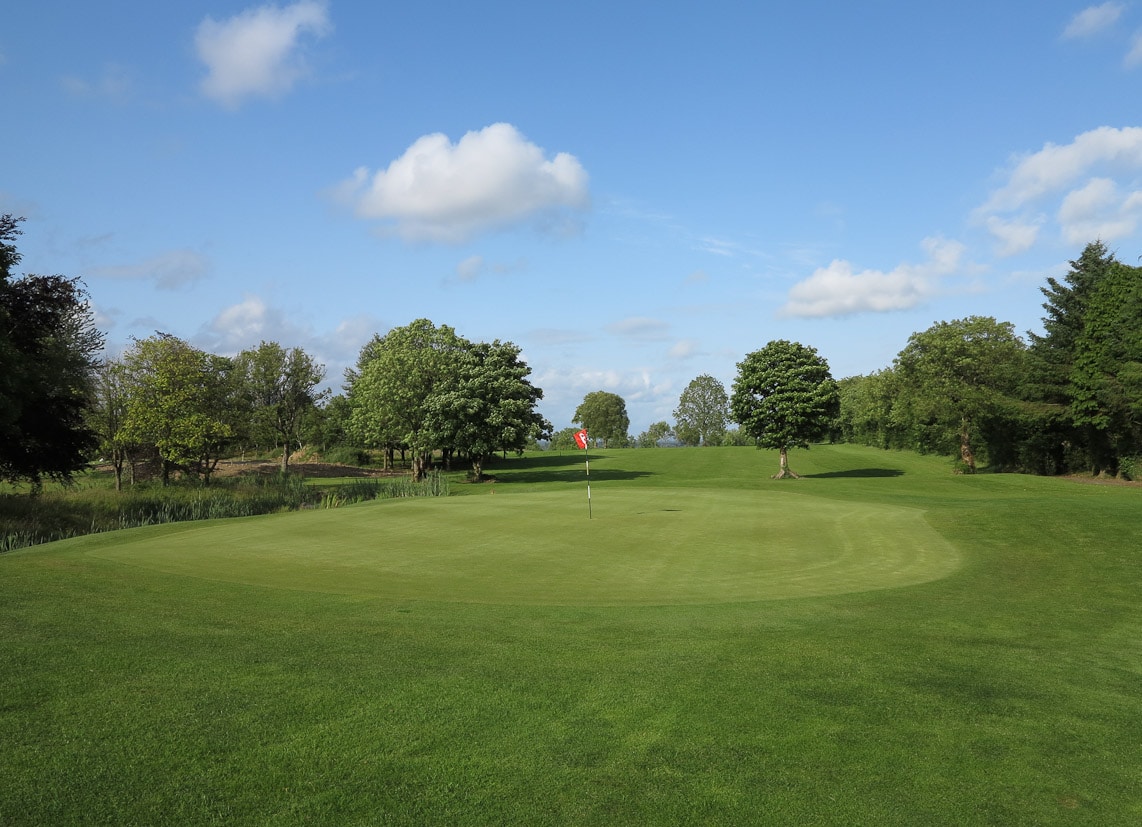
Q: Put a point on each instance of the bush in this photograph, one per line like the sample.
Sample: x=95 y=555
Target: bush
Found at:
x=1130 y=467
x=348 y=455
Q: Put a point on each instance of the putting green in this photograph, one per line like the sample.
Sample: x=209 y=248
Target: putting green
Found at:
x=663 y=546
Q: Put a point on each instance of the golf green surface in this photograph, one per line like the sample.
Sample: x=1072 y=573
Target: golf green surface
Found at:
x=657 y=546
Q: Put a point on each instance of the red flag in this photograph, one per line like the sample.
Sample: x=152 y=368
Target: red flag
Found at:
x=581 y=438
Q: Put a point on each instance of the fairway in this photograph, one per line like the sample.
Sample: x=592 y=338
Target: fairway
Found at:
x=879 y=643
x=651 y=547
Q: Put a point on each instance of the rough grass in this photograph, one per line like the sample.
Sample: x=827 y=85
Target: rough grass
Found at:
x=147 y=687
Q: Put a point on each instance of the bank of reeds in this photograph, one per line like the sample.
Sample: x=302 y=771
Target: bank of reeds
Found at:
x=56 y=515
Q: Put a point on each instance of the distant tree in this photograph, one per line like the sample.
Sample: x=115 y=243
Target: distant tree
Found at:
x=109 y=414
x=184 y=402
x=604 y=415
x=395 y=378
x=736 y=438
x=955 y=377
x=702 y=412
x=654 y=434
x=784 y=397
x=327 y=425
x=489 y=405
x=564 y=440
x=282 y=388
x=48 y=353
x=866 y=410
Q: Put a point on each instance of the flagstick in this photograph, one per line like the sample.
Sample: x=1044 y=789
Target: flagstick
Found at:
x=587 y=463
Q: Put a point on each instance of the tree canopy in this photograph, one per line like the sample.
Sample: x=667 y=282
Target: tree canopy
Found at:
x=784 y=397
x=48 y=353
x=604 y=415
x=957 y=375
x=702 y=412
x=425 y=388
x=282 y=387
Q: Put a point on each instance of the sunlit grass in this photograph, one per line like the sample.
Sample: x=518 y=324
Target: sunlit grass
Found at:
x=453 y=661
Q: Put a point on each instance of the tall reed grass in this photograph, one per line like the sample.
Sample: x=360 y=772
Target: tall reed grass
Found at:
x=56 y=515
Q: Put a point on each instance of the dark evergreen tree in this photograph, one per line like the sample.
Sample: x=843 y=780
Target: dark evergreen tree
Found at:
x=48 y=350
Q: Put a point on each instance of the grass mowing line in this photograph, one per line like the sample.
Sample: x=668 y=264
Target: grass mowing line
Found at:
x=644 y=547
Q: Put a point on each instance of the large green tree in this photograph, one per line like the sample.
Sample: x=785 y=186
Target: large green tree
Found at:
x=488 y=407
x=702 y=412
x=956 y=379
x=282 y=388
x=184 y=402
x=48 y=354
x=1106 y=378
x=604 y=415
x=1057 y=441
x=784 y=397
x=390 y=389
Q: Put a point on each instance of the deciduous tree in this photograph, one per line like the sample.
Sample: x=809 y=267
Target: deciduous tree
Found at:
x=395 y=377
x=784 y=397
x=282 y=386
x=702 y=412
x=604 y=415
x=488 y=407
x=183 y=401
x=955 y=376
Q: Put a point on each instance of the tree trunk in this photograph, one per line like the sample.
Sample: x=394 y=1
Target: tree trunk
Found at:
x=419 y=465
x=285 y=458
x=478 y=468
x=785 y=473
x=966 y=453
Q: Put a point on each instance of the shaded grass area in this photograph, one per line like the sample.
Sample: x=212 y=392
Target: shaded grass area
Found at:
x=1003 y=693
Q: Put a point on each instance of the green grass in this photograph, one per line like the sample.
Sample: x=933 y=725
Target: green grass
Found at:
x=878 y=643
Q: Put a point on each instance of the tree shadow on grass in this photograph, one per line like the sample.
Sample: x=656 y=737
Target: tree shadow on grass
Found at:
x=856 y=472
x=558 y=468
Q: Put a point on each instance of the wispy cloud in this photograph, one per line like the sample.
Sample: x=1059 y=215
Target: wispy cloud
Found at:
x=168 y=271
x=1093 y=19
x=641 y=328
x=490 y=179
x=258 y=52
x=114 y=83
x=1134 y=56
x=840 y=290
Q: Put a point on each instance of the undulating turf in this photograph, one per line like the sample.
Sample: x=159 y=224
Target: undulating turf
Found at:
x=878 y=643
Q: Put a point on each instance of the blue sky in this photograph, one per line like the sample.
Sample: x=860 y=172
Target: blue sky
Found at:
x=635 y=193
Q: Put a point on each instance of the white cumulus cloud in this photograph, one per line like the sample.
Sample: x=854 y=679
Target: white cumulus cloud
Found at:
x=257 y=52
x=1056 y=167
x=1014 y=236
x=1099 y=210
x=1087 y=184
x=840 y=290
x=448 y=192
x=1093 y=19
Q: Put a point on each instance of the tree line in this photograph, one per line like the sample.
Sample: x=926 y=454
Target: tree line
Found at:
x=1063 y=401
x=1066 y=400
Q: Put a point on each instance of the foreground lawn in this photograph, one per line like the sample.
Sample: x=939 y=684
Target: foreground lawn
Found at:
x=878 y=643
